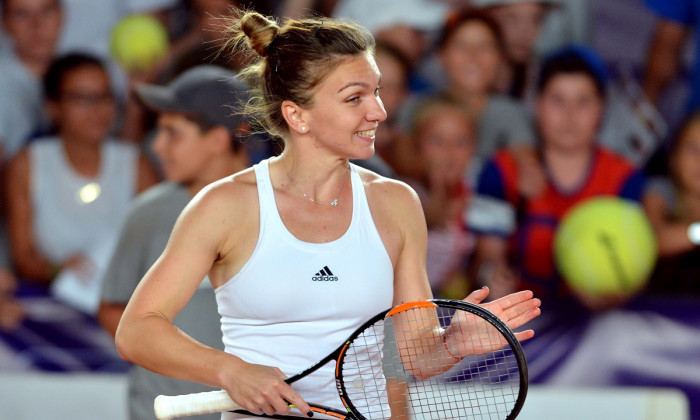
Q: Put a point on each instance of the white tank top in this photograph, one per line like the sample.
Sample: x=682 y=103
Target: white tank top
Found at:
x=294 y=302
x=65 y=222
x=73 y=214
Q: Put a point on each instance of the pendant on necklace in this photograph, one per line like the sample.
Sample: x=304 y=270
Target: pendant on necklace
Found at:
x=333 y=203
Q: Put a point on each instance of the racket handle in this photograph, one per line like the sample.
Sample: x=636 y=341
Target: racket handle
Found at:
x=169 y=407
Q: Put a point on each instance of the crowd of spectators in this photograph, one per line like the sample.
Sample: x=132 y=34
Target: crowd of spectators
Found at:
x=502 y=115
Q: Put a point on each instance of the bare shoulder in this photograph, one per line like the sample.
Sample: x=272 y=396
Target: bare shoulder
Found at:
x=396 y=209
x=227 y=199
x=382 y=191
x=397 y=212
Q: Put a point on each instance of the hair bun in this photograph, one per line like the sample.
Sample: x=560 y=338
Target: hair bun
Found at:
x=260 y=31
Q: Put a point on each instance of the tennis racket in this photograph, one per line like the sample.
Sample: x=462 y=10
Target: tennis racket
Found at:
x=432 y=359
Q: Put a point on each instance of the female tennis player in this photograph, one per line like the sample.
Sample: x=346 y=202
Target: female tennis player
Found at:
x=303 y=247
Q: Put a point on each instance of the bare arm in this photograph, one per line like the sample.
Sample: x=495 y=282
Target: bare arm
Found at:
x=663 y=57
x=30 y=264
x=408 y=220
x=146 y=335
x=411 y=283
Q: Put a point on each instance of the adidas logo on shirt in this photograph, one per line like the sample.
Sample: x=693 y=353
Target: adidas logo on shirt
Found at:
x=324 y=275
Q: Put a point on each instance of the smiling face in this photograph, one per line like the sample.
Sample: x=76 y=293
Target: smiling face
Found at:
x=346 y=109
x=471 y=57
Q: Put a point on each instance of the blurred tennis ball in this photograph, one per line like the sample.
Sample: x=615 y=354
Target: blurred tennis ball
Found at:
x=605 y=246
x=138 y=41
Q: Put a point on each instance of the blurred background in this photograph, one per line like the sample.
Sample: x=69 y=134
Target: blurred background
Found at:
x=504 y=115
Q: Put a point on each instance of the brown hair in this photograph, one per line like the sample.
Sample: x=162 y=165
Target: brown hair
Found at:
x=427 y=107
x=466 y=15
x=421 y=117
x=290 y=60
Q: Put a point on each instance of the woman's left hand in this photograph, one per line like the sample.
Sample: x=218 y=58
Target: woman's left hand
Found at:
x=469 y=334
x=515 y=309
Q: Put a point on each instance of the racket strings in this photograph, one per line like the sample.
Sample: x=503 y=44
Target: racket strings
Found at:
x=400 y=368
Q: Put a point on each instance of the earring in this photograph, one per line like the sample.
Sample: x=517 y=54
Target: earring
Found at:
x=303 y=129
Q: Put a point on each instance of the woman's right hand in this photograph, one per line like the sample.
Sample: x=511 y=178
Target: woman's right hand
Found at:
x=262 y=390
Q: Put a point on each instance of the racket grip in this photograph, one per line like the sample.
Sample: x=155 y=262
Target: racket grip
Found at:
x=169 y=407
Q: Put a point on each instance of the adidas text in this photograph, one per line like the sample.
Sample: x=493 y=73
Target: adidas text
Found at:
x=324 y=278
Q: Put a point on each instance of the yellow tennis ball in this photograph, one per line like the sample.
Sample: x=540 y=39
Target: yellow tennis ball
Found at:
x=605 y=246
x=138 y=41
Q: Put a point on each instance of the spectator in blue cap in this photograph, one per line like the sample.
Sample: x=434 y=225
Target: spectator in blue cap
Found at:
x=199 y=140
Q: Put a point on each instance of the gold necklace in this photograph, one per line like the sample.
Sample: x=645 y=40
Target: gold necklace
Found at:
x=333 y=203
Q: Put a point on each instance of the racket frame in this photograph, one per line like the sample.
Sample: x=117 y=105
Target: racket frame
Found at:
x=339 y=355
x=477 y=310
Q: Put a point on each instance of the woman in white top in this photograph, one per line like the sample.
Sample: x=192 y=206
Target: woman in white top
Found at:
x=68 y=193
x=304 y=243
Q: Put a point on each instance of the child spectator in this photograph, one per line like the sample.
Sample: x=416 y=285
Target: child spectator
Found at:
x=68 y=193
x=444 y=138
x=568 y=112
x=631 y=125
